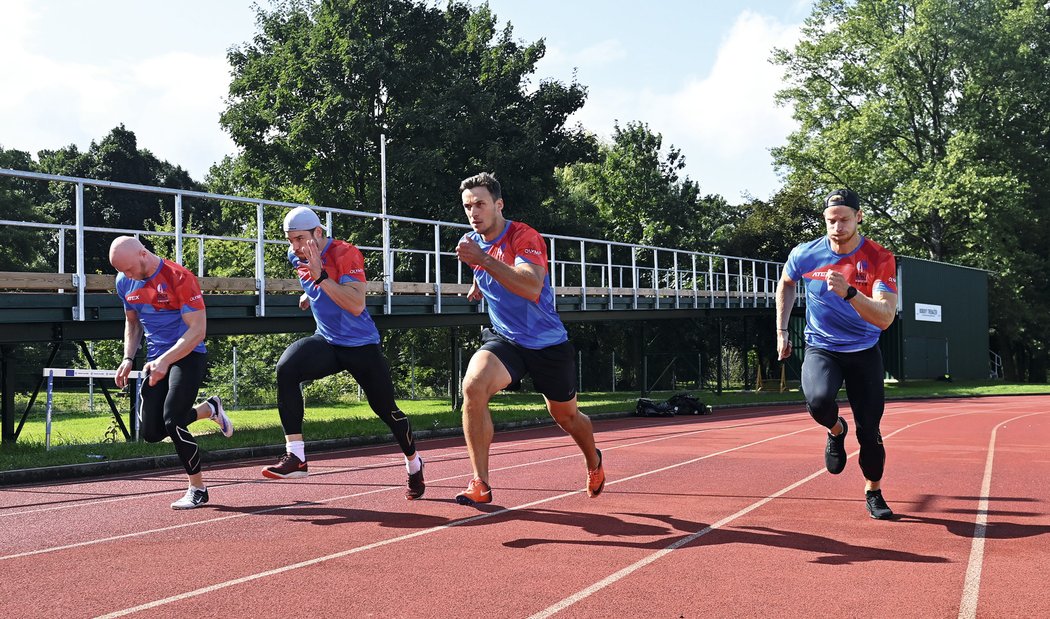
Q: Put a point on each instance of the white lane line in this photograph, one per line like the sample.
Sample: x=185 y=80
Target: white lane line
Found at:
x=357 y=549
x=102 y=540
x=180 y=481
x=972 y=584
x=623 y=573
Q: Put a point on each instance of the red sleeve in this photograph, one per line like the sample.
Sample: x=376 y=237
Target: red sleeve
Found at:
x=886 y=273
x=528 y=245
x=188 y=290
x=348 y=263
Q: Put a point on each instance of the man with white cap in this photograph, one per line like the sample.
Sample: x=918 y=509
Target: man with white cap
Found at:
x=332 y=274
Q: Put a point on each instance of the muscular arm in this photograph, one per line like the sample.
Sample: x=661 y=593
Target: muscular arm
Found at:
x=349 y=296
x=524 y=280
x=132 y=339
x=879 y=309
x=197 y=322
x=198 y=326
x=785 y=300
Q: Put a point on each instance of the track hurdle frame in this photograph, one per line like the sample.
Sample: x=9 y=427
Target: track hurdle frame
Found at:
x=52 y=373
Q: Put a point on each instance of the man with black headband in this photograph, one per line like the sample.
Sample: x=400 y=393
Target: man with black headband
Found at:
x=851 y=297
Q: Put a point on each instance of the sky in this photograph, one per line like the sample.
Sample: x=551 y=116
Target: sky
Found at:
x=695 y=72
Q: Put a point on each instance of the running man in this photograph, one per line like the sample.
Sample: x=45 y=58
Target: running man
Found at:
x=332 y=273
x=509 y=260
x=163 y=300
x=851 y=297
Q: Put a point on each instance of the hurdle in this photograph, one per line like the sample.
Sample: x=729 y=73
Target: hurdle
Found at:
x=52 y=373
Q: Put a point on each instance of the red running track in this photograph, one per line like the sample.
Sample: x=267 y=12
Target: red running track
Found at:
x=730 y=515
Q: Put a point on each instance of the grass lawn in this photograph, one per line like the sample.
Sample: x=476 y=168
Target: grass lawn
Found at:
x=79 y=437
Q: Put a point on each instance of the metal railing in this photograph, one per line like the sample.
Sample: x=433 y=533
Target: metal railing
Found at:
x=591 y=268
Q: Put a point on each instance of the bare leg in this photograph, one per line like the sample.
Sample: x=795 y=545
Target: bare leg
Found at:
x=568 y=416
x=485 y=376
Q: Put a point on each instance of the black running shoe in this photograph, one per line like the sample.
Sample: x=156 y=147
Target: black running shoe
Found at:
x=288 y=466
x=877 y=507
x=835 y=451
x=416 y=487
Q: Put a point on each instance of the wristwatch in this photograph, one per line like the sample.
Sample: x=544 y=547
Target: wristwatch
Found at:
x=320 y=278
x=850 y=293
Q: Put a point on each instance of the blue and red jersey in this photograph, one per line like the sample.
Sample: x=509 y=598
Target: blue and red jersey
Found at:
x=531 y=323
x=831 y=322
x=344 y=263
x=160 y=301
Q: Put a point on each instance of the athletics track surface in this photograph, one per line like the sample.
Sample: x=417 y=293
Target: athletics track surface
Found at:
x=729 y=515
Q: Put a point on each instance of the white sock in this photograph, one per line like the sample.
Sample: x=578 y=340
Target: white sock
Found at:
x=210 y=407
x=297 y=448
x=414 y=464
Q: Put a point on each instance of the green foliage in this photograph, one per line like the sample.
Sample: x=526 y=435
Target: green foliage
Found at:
x=115 y=158
x=320 y=81
x=19 y=246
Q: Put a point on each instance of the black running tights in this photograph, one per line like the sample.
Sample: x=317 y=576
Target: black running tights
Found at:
x=166 y=409
x=823 y=373
x=313 y=357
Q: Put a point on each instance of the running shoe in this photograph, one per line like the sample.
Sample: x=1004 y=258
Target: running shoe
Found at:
x=835 y=451
x=288 y=466
x=477 y=492
x=877 y=507
x=195 y=497
x=596 y=478
x=416 y=487
x=218 y=415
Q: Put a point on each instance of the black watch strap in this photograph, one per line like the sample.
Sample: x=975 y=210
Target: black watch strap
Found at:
x=850 y=293
x=320 y=278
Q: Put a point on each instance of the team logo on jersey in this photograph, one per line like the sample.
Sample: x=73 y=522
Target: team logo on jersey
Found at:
x=861 y=276
x=162 y=293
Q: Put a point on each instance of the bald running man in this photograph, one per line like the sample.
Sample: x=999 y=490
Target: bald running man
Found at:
x=163 y=301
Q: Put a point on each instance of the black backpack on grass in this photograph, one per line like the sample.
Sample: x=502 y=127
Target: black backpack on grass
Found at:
x=686 y=404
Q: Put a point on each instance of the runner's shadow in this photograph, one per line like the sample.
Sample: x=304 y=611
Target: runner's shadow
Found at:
x=830 y=551
x=321 y=515
x=993 y=530
x=594 y=524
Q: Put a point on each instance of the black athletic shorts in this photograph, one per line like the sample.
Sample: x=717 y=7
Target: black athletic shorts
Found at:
x=553 y=369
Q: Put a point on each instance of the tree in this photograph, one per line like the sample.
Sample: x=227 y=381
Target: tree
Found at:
x=114 y=158
x=934 y=111
x=321 y=81
x=19 y=247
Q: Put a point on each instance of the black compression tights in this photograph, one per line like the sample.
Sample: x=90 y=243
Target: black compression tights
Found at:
x=823 y=373
x=313 y=357
x=166 y=409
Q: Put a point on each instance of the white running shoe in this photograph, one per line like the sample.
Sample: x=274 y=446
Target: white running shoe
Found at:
x=219 y=416
x=195 y=497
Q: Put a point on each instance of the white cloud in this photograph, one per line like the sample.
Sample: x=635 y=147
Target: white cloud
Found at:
x=171 y=101
x=728 y=119
x=722 y=117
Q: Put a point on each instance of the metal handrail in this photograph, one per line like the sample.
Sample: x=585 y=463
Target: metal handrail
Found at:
x=730 y=280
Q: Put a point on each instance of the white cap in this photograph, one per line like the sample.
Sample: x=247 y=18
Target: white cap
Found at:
x=301 y=218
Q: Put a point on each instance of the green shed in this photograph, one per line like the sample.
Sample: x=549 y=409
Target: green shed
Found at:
x=942 y=322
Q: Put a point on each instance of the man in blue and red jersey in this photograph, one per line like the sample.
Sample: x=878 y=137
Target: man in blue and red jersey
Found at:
x=332 y=274
x=851 y=297
x=163 y=301
x=509 y=260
